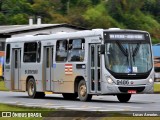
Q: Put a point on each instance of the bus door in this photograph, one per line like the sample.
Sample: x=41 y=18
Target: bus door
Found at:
x=48 y=60
x=95 y=69
x=16 y=68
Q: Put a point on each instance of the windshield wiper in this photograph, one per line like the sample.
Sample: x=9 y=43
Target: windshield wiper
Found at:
x=136 y=50
x=124 y=51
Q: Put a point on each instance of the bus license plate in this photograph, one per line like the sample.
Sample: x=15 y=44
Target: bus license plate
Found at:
x=132 y=91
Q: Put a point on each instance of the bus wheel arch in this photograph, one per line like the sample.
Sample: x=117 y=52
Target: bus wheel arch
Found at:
x=77 y=80
x=31 y=88
x=82 y=91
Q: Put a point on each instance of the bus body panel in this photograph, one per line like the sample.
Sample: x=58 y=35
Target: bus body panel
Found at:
x=59 y=77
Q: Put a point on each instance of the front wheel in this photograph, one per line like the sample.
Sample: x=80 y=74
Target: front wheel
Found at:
x=124 y=97
x=82 y=91
x=31 y=88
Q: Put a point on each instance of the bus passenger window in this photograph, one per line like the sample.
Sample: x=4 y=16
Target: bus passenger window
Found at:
x=8 y=53
x=30 y=50
x=76 y=50
x=61 y=50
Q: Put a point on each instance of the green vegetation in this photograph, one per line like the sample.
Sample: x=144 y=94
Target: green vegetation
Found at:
x=4 y=107
x=156 y=87
x=14 y=108
x=2 y=86
x=128 y=14
x=131 y=118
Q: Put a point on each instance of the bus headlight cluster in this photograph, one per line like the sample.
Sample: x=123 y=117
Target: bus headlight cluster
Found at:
x=150 y=80
x=109 y=80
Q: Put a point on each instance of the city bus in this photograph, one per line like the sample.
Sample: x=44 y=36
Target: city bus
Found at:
x=81 y=64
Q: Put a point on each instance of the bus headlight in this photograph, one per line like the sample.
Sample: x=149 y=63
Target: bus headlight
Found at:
x=151 y=80
x=109 y=80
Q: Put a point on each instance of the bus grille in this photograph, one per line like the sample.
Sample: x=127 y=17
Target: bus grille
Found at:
x=125 y=89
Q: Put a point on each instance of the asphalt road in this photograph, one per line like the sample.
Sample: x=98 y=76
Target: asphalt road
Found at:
x=141 y=102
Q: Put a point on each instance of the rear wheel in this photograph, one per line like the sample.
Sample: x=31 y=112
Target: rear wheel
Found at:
x=31 y=88
x=124 y=97
x=70 y=96
x=82 y=91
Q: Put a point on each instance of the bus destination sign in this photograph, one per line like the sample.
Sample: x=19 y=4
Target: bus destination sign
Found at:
x=126 y=36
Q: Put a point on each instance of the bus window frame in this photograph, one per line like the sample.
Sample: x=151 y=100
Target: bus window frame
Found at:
x=58 y=61
x=32 y=51
x=71 y=48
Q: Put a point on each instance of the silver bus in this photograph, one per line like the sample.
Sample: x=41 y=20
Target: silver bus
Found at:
x=81 y=64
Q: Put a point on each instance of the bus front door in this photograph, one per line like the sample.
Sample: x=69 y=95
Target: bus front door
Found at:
x=94 y=74
x=16 y=68
x=48 y=60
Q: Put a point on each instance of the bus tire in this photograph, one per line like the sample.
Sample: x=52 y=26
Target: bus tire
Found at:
x=124 y=97
x=31 y=89
x=82 y=91
x=70 y=96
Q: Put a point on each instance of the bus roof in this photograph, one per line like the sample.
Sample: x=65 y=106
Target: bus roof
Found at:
x=64 y=35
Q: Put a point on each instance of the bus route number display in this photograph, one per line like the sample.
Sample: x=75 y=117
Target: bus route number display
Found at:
x=126 y=36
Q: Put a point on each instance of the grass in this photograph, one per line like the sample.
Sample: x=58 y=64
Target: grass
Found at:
x=21 y=109
x=131 y=118
x=2 y=86
x=156 y=87
x=14 y=108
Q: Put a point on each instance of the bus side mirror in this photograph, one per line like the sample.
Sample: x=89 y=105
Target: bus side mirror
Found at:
x=102 y=49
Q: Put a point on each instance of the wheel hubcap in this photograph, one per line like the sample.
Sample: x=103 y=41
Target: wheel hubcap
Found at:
x=83 y=90
x=31 y=88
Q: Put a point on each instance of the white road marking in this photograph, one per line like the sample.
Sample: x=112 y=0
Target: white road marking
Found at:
x=32 y=105
x=10 y=102
x=72 y=108
x=123 y=106
x=109 y=110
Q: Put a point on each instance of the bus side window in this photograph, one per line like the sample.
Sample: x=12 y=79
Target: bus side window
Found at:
x=76 y=50
x=30 y=52
x=61 y=50
x=8 y=53
x=38 y=51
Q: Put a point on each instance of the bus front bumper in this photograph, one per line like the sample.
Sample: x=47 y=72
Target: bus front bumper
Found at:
x=117 y=89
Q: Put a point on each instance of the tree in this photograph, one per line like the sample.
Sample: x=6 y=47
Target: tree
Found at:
x=98 y=18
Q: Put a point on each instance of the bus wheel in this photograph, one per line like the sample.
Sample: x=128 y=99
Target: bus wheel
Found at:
x=31 y=87
x=82 y=92
x=70 y=96
x=124 y=97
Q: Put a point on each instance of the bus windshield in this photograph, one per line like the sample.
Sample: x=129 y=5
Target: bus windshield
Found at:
x=128 y=57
